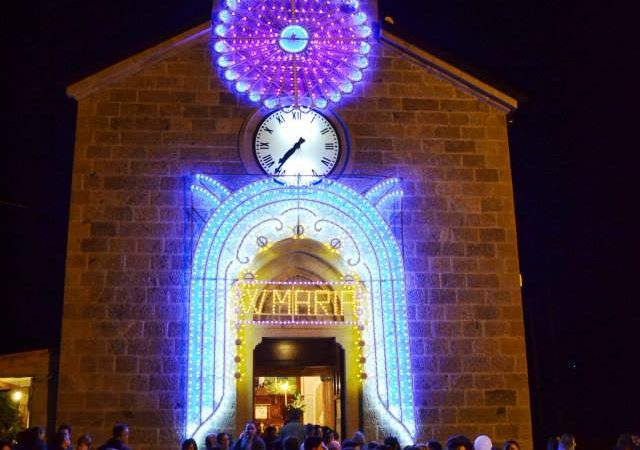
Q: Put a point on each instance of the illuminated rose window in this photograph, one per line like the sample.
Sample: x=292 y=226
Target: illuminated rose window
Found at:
x=292 y=52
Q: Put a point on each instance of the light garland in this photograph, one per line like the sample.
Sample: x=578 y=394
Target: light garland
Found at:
x=246 y=222
x=292 y=52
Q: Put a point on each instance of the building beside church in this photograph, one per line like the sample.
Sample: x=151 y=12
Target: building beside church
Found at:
x=320 y=219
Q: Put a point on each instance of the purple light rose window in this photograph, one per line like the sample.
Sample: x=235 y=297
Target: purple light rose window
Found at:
x=292 y=52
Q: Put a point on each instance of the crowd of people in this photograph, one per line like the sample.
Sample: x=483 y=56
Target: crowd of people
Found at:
x=34 y=439
x=292 y=436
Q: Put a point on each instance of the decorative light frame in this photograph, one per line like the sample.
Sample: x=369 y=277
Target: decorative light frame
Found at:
x=301 y=53
x=239 y=226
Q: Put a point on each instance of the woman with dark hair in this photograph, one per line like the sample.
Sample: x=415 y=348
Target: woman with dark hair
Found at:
x=189 y=444
x=223 y=441
x=511 y=445
x=249 y=439
x=60 y=441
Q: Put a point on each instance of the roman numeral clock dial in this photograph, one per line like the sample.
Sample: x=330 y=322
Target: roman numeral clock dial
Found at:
x=297 y=147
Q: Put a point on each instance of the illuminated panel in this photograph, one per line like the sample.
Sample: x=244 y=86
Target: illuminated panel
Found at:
x=249 y=221
x=292 y=52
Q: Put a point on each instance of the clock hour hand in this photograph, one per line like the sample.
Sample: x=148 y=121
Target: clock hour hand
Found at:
x=288 y=154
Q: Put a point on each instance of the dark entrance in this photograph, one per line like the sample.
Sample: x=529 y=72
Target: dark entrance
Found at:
x=303 y=373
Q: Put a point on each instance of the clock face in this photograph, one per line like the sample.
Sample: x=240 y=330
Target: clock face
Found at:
x=297 y=147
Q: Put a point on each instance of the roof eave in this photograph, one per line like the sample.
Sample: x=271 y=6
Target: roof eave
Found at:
x=135 y=63
x=459 y=78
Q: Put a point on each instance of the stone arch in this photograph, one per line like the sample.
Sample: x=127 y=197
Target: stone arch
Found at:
x=244 y=226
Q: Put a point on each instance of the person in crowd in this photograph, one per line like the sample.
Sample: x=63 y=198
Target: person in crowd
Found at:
x=32 y=439
x=249 y=439
x=313 y=443
x=552 y=443
x=359 y=439
x=349 y=444
x=392 y=443
x=567 y=442
x=459 y=442
x=223 y=441
x=625 y=442
x=119 y=439
x=434 y=445
x=293 y=427
x=189 y=444
x=269 y=437
x=210 y=441
x=290 y=443
x=482 y=442
x=64 y=428
x=59 y=441
x=84 y=442
x=5 y=444
x=333 y=445
x=511 y=445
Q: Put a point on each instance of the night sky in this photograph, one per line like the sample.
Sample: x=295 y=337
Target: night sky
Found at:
x=574 y=149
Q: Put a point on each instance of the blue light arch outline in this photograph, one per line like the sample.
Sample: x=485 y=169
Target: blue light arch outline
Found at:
x=210 y=379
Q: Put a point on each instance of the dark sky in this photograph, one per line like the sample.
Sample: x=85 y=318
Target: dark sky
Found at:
x=574 y=155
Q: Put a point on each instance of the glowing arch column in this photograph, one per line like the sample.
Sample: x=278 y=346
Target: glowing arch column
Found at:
x=239 y=224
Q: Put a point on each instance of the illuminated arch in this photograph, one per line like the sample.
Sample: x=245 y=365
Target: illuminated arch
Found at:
x=242 y=224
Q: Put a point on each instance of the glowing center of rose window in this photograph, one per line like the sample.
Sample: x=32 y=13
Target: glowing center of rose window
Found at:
x=294 y=39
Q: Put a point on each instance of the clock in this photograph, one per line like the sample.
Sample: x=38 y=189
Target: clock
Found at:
x=297 y=146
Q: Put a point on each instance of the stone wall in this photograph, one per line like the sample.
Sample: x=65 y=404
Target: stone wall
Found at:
x=140 y=138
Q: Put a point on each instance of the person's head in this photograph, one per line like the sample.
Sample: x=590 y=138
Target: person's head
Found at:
x=65 y=428
x=294 y=416
x=434 y=445
x=84 y=442
x=459 y=442
x=482 y=442
x=5 y=444
x=309 y=430
x=59 y=441
x=270 y=432
x=333 y=445
x=392 y=442
x=189 y=444
x=36 y=433
x=359 y=439
x=318 y=431
x=313 y=443
x=223 y=440
x=291 y=443
x=511 y=445
x=250 y=429
x=567 y=442
x=121 y=432
x=210 y=441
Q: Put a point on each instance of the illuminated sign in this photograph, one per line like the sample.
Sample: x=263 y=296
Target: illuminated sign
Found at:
x=297 y=302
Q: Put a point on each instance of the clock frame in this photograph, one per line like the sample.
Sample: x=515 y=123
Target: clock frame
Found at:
x=250 y=130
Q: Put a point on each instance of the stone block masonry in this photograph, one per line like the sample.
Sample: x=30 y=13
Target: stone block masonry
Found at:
x=139 y=139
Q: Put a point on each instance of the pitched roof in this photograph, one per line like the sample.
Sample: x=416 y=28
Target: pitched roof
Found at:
x=202 y=33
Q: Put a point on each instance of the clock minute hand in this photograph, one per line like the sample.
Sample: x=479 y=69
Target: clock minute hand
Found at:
x=288 y=154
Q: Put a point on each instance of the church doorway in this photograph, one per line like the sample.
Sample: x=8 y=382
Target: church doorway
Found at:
x=304 y=374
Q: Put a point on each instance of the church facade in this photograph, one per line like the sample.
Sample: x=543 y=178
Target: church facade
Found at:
x=349 y=251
